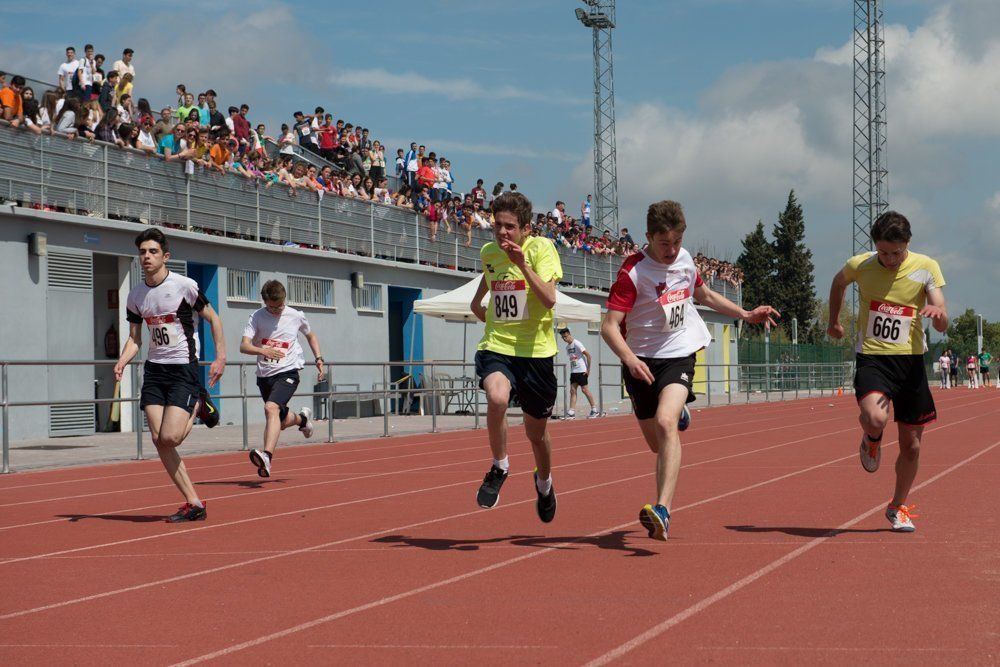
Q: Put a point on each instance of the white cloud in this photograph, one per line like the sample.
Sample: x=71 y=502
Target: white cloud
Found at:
x=764 y=129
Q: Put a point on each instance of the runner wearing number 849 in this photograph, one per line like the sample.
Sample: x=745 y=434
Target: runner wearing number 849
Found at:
x=516 y=352
x=897 y=287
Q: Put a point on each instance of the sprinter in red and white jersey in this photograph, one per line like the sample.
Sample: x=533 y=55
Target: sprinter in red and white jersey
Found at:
x=655 y=329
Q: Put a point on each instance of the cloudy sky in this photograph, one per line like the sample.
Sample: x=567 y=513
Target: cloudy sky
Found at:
x=724 y=105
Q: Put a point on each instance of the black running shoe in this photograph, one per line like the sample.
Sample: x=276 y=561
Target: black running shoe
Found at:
x=207 y=412
x=188 y=512
x=546 y=505
x=489 y=492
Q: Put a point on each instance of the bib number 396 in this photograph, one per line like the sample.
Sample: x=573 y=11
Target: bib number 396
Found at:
x=889 y=323
x=510 y=300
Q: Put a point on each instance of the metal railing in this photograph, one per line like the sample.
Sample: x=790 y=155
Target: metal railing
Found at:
x=103 y=180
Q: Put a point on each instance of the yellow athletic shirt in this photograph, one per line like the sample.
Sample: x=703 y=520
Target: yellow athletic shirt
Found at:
x=517 y=324
x=889 y=319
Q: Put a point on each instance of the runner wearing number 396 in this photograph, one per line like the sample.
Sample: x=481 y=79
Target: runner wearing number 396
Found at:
x=516 y=352
x=897 y=288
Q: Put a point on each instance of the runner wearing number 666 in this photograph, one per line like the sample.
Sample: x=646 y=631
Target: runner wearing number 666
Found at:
x=897 y=288
x=516 y=353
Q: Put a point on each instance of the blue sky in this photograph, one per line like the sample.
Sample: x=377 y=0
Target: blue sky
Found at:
x=724 y=105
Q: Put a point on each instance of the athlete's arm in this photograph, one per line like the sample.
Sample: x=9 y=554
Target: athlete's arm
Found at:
x=247 y=347
x=611 y=332
x=936 y=309
x=840 y=282
x=478 y=309
x=545 y=291
x=132 y=345
x=313 y=341
x=219 y=365
x=586 y=355
x=724 y=306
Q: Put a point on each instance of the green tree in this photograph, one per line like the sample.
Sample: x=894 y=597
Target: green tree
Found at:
x=962 y=333
x=793 y=271
x=757 y=263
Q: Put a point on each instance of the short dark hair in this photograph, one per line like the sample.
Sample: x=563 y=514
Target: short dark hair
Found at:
x=153 y=234
x=182 y=87
x=128 y=52
x=564 y=330
x=273 y=290
x=233 y=110
x=211 y=92
x=516 y=203
x=892 y=227
x=17 y=80
x=71 y=48
x=665 y=216
x=88 y=46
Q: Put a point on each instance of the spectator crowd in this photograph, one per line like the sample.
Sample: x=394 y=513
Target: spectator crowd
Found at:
x=314 y=153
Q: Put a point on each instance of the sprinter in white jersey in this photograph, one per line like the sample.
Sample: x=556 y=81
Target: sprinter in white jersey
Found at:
x=272 y=334
x=579 y=371
x=655 y=329
x=172 y=395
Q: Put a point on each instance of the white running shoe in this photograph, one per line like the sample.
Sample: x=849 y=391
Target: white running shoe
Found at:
x=571 y=414
x=593 y=413
x=871 y=453
x=259 y=458
x=307 y=428
x=900 y=518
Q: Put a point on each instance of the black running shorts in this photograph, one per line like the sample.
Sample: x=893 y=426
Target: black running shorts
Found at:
x=579 y=379
x=170 y=384
x=902 y=378
x=646 y=397
x=532 y=379
x=279 y=389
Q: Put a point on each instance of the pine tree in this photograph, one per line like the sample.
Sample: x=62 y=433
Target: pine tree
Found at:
x=795 y=294
x=757 y=263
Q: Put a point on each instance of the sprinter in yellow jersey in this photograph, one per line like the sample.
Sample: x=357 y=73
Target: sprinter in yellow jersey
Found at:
x=516 y=353
x=897 y=288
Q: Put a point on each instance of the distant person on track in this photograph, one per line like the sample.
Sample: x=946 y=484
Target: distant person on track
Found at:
x=972 y=370
x=579 y=372
x=953 y=369
x=172 y=395
x=984 y=367
x=944 y=369
x=272 y=334
x=655 y=329
x=518 y=348
x=897 y=288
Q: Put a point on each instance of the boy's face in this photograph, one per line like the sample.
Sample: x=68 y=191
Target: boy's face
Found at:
x=274 y=307
x=567 y=338
x=665 y=246
x=891 y=255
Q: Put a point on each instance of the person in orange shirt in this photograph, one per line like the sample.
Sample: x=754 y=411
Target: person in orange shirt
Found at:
x=10 y=101
x=221 y=153
x=427 y=176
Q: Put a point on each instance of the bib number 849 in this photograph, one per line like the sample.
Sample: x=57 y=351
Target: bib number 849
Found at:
x=886 y=328
x=505 y=306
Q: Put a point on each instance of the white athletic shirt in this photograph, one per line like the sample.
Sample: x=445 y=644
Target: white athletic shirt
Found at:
x=265 y=330
x=661 y=320
x=578 y=362
x=170 y=311
x=945 y=362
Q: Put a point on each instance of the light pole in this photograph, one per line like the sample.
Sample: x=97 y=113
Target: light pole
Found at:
x=979 y=333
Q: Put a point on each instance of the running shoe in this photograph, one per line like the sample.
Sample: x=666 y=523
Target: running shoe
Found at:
x=685 y=420
x=489 y=491
x=899 y=516
x=307 y=425
x=593 y=413
x=188 y=512
x=871 y=453
x=207 y=412
x=546 y=505
x=570 y=415
x=656 y=520
x=259 y=458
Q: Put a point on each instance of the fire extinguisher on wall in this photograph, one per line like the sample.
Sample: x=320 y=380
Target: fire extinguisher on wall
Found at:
x=111 y=342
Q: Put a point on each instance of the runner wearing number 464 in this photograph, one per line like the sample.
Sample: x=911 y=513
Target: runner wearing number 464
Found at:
x=516 y=352
x=170 y=306
x=897 y=288
x=654 y=327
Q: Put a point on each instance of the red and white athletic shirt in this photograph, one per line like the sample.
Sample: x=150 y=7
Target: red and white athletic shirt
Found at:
x=170 y=311
x=661 y=320
x=282 y=332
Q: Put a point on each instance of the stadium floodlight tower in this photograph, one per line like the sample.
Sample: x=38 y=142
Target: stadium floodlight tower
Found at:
x=871 y=179
x=599 y=16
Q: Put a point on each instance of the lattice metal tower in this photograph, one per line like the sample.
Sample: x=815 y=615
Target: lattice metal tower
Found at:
x=871 y=181
x=599 y=16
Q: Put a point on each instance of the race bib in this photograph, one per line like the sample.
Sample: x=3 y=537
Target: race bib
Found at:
x=889 y=323
x=282 y=345
x=674 y=304
x=510 y=300
x=162 y=330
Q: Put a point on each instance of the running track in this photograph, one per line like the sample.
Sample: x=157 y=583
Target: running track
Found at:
x=374 y=552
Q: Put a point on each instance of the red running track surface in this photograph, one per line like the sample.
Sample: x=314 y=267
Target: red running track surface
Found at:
x=375 y=551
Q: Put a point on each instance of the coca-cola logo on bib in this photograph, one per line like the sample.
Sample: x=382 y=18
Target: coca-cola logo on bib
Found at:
x=890 y=309
x=160 y=319
x=508 y=285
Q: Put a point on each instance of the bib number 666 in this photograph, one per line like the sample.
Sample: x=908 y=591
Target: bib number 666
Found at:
x=886 y=328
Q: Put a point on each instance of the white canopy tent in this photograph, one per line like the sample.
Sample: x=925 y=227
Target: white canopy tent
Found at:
x=453 y=306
